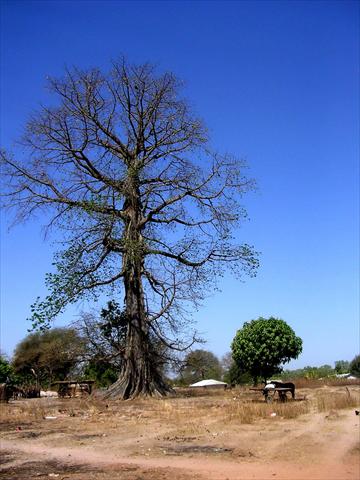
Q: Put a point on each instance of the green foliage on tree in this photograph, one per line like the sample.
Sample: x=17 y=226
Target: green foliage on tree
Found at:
x=325 y=371
x=104 y=373
x=342 y=366
x=6 y=370
x=232 y=374
x=236 y=376
x=105 y=338
x=200 y=365
x=263 y=345
x=43 y=357
x=355 y=366
x=104 y=335
x=113 y=326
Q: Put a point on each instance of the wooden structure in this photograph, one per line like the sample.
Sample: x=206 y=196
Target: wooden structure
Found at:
x=72 y=388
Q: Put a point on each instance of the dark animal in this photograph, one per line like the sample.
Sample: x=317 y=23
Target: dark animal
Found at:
x=30 y=391
x=288 y=385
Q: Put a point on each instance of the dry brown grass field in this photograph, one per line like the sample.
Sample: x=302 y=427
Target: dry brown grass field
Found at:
x=216 y=435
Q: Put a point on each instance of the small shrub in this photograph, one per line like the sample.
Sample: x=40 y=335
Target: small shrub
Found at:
x=355 y=366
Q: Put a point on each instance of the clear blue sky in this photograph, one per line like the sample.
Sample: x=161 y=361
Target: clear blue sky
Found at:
x=277 y=83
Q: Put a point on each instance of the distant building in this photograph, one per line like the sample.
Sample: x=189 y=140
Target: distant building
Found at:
x=345 y=375
x=209 y=383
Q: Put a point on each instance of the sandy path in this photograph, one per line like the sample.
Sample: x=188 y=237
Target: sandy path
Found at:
x=326 y=438
x=317 y=450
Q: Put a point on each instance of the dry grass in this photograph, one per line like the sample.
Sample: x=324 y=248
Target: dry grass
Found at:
x=34 y=409
x=337 y=400
x=249 y=412
x=245 y=407
x=191 y=414
x=224 y=408
x=40 y=408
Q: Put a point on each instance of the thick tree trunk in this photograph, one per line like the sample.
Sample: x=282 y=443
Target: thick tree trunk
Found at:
x=140 y=375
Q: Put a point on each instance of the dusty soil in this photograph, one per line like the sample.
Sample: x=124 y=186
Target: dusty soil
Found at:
x=207 y=437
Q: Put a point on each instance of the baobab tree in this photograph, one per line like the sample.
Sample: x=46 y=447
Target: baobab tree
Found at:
x=123 y=166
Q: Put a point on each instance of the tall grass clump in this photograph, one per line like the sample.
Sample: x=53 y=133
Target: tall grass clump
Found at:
x=25 y=411
x=249 y=412
x=337 y=401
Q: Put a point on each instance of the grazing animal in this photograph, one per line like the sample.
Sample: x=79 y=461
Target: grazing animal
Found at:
x=31 y=391
x=289 y=385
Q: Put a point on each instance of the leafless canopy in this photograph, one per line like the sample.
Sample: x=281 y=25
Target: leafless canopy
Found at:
x=123 y=166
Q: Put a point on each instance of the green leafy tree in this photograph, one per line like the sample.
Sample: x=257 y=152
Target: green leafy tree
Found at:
x=355 y=366
x=105 y=336
x=310 y=372
x=263 y=345
x=237 y=376
x=342 y=366
x=232 y=373
x=121 y=157
x=200 y=365
x=44 y=357
x=6 y=370
x=104 y=373
x=325 y=371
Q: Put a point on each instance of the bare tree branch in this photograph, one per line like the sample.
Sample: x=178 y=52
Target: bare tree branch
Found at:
x=122 y=166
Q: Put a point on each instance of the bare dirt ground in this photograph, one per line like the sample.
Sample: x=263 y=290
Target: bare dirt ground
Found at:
x=218 y=436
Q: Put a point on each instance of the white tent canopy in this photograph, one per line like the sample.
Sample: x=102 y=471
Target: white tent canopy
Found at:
x=208 y=383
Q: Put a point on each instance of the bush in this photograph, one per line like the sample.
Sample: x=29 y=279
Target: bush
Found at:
x=355 y=366
x=6 y=371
